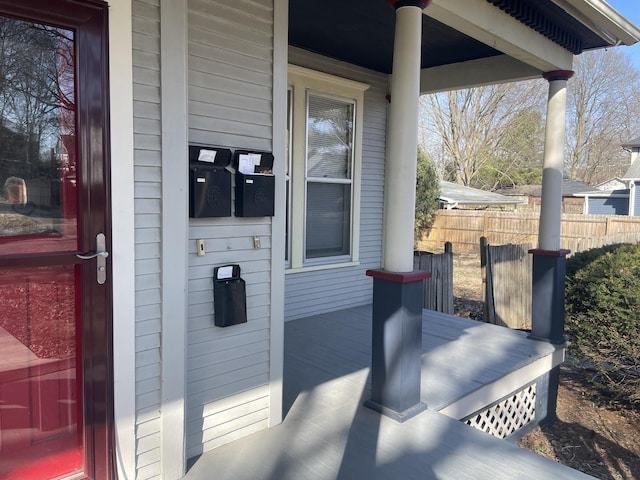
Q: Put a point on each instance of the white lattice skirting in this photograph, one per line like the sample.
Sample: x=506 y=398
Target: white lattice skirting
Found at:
x=508 y=416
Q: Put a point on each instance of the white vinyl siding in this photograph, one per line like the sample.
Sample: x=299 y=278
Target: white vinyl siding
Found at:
x=230 y=105
x=147 y=177
x=313 y=292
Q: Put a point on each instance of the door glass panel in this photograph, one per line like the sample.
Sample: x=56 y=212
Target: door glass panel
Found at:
x=40 y=380
x=38 y=164
x=41 y=409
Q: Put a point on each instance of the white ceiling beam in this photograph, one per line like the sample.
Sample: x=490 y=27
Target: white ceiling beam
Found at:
x=495 y=28
x=475 y=73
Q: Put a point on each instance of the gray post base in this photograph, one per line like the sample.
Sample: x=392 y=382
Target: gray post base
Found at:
x=547 y=313
x=547 y=397
x=396 y=344
x=547 y=319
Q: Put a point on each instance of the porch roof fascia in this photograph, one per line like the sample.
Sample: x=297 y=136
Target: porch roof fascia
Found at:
x=604 y=20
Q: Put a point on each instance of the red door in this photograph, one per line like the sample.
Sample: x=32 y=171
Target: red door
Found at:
x=55 y=314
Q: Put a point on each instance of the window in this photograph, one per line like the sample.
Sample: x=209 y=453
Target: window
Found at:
x=324 y=130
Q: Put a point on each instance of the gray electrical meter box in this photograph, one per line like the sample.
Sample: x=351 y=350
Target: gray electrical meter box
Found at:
x=229 y=296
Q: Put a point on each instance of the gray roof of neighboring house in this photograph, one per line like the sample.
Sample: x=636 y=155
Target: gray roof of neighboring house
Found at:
x=453 y=193
x=604 y=193
x=634 y=170
x=569 y=187
x=632 y=143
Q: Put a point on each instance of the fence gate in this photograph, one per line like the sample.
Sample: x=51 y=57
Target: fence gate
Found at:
x=438 y=290
x=507 y=276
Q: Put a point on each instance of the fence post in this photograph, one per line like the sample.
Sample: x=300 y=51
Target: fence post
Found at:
x=448 y=247
x=447 y=279
x=485 y=225
x=487 y=309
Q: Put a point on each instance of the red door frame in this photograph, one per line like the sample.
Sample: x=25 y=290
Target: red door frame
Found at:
x=88 y=19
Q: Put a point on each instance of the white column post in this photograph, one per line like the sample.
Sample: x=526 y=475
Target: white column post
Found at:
x=551 y=204
x=402 y=138
x=175 y=235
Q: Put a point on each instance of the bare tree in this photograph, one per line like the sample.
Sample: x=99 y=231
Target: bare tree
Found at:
x=468 y=130
x=603 y=106
x=37 y=99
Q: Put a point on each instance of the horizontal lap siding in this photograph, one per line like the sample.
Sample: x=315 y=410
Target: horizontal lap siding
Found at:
x=147 y=176
x=311 y=293
x=608 y=206
x=230 y=96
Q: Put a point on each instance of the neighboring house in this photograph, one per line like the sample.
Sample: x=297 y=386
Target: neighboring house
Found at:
x=453 y=195
x=531 y=195
x=620 y=195
x=125 y=283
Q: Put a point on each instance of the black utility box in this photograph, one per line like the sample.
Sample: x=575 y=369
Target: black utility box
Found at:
x=255 y=184
x=209 y=182
x=229 y=296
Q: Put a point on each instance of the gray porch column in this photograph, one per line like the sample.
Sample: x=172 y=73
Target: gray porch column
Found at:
x=397 y=290
x=549 y=261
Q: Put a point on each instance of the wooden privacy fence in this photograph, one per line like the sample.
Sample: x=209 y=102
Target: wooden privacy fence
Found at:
x=438 y=290
x=507 y=278
x=463 y=228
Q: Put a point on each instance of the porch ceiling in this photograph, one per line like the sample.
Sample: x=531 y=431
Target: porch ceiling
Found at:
x=361 y=31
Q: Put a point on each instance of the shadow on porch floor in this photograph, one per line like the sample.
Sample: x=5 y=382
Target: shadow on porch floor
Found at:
x=328 y=434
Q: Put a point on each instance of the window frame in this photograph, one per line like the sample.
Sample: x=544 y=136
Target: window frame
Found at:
x=302 y=82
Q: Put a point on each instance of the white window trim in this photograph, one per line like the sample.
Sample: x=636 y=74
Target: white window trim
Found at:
x=301 y=81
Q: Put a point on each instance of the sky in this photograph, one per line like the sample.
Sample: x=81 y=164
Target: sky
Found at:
x=631 y=10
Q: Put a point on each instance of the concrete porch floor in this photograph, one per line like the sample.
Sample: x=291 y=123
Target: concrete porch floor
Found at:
x=328 y=434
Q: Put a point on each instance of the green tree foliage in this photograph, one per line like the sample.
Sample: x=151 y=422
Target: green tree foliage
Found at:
x=517 y=159
x=427 y=192
x=603 y=316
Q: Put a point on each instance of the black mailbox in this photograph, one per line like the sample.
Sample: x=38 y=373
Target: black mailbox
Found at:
x=229 y=296
x=255 y=184
x=209 y=182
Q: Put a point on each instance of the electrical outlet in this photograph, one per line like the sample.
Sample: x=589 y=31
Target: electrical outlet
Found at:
x=256 y=242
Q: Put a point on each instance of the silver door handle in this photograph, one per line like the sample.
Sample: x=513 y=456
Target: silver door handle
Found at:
x=101 y=258
x=92 y=255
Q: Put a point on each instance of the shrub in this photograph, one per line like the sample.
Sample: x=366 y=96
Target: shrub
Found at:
x=427 y=193
x=603 y=316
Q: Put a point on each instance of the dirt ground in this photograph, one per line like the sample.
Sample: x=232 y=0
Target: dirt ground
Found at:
x=590 y=434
